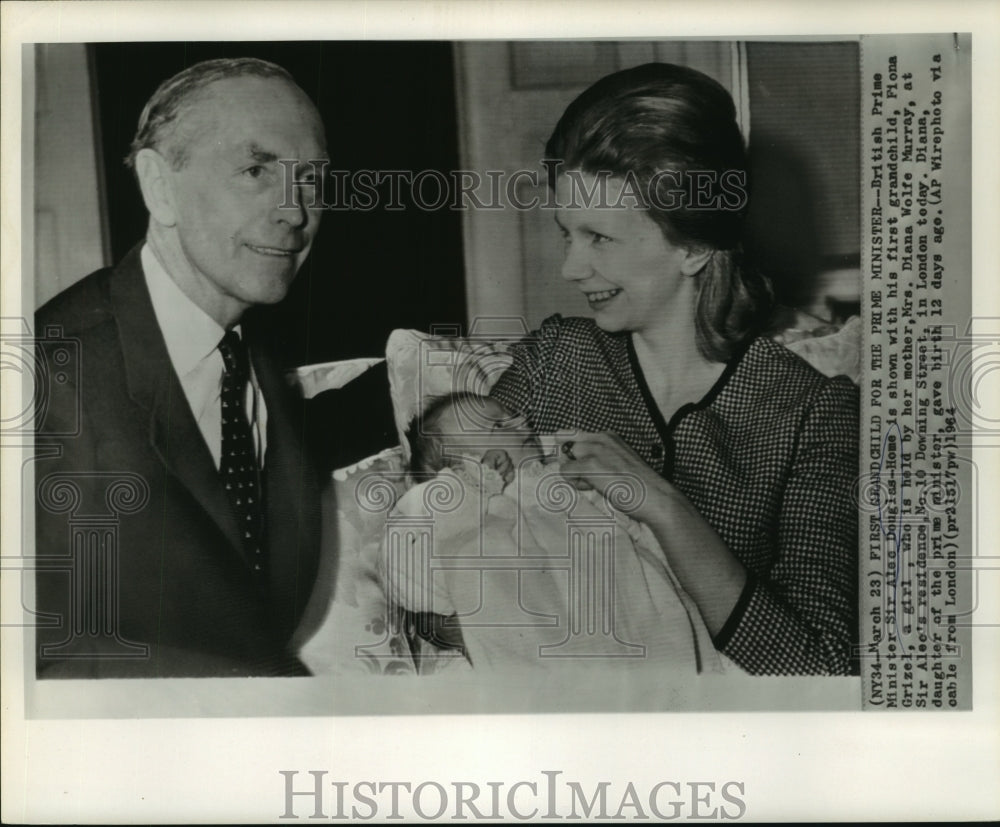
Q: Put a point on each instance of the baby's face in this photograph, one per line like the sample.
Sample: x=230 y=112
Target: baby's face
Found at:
x=471 y=427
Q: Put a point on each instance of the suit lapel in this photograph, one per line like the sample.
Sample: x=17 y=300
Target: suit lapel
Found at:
x=154 y=386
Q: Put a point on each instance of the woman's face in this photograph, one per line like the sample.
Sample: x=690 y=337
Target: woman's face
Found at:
x=617 y=256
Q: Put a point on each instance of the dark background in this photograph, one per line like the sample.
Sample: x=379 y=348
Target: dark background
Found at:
x=804 y=147
x=386 y=106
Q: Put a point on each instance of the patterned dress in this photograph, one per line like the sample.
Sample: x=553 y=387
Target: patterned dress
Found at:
x=768 y=457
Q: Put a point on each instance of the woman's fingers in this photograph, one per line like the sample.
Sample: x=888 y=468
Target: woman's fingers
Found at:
x=583 y=458
x=602 y=447
x=603 y=461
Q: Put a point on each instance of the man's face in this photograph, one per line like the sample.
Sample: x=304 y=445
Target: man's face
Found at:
x=239 y=238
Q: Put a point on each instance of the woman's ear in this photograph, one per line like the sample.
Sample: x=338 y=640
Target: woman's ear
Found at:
x=695 y=259
x=154 y=174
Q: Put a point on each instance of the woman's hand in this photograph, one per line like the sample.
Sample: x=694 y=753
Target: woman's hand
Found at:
x=604 y=462
x=705 y=566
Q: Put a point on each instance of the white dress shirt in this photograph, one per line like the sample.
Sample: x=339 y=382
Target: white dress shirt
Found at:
x=192 y=338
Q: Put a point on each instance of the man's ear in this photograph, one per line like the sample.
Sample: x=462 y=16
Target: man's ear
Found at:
x=695 y=259
x=155 y=180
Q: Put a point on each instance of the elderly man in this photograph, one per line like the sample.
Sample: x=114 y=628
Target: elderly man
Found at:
x=177 y=514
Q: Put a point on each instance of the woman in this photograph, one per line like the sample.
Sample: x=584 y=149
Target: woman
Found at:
x=746 y=454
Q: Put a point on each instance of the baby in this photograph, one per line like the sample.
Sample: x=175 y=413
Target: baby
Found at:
x=459 y=432
x=479 y=538
x=463 y=428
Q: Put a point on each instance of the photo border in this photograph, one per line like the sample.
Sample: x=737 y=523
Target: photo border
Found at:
x=794 y=765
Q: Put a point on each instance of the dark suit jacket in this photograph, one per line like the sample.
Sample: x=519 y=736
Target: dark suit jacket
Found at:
x=141 y=572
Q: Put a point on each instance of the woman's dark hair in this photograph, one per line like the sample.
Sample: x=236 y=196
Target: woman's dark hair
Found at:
x=671 y=132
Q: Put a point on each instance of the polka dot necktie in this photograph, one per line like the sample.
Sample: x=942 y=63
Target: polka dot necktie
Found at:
x=239 y=468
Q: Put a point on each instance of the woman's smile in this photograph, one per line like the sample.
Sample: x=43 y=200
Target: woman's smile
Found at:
x=623 y=253
x=600 y=298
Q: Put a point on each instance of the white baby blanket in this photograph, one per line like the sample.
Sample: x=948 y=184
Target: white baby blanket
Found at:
x=540 y=574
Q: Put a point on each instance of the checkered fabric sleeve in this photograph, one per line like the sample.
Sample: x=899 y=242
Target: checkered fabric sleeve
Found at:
x=570 y=374
x=518 y=385
x=799 y=615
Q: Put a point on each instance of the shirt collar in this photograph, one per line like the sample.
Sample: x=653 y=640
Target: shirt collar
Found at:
x=190 y=333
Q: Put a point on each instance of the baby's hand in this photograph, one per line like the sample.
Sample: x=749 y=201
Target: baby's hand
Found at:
x=499 y=460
